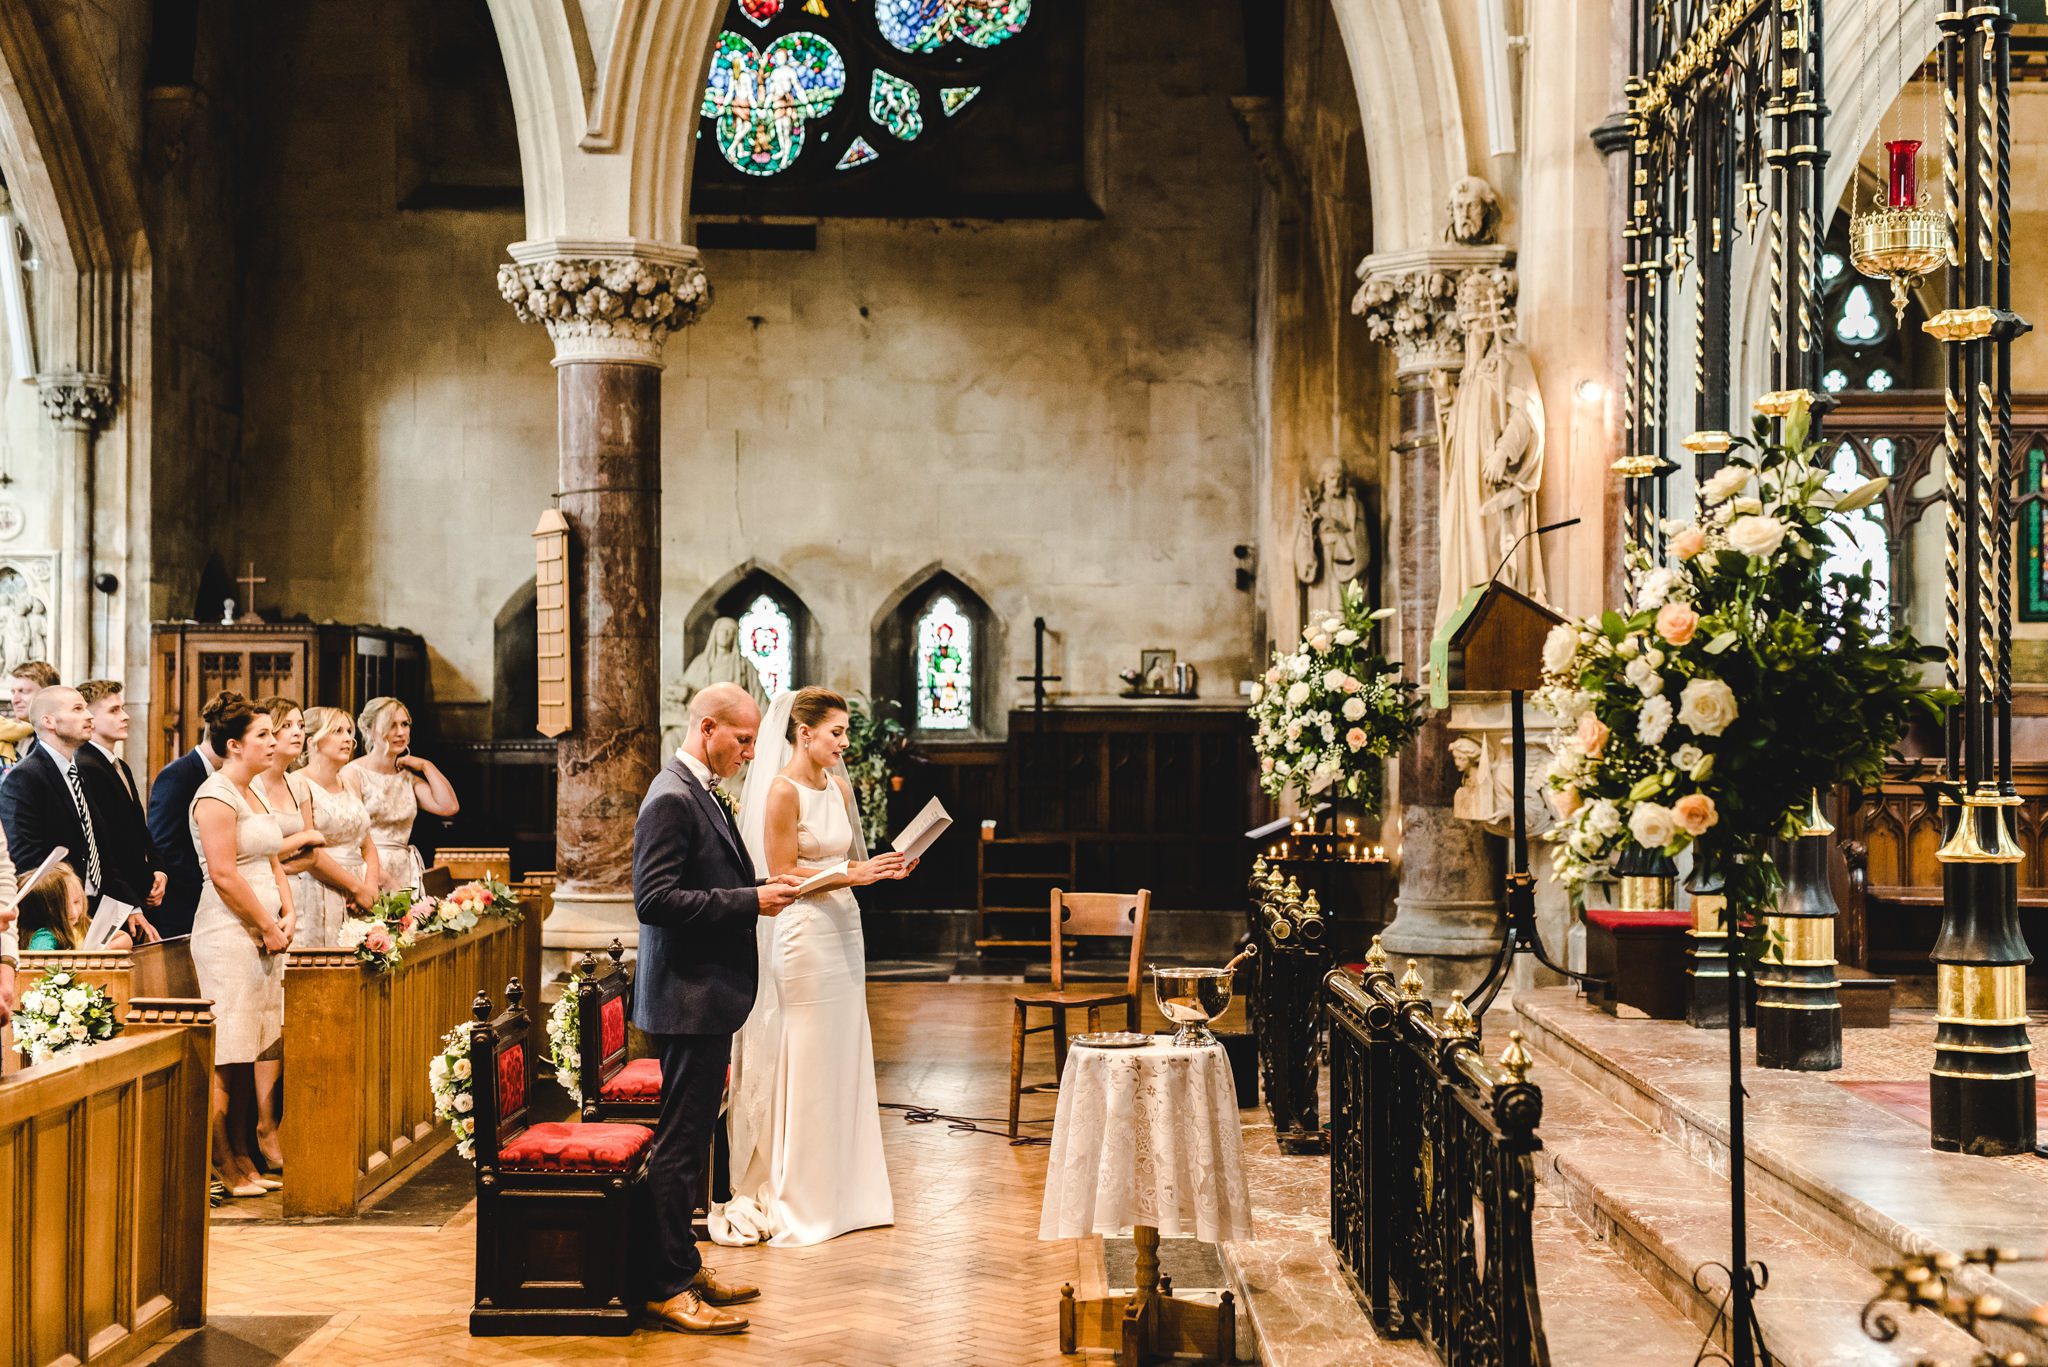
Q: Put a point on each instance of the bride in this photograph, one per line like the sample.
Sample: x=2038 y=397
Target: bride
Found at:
x=806 y=1134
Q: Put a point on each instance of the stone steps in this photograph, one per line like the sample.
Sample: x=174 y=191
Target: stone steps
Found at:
x=1635 y=1145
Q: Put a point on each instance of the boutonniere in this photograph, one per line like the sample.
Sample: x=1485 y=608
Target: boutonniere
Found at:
x=725 y=800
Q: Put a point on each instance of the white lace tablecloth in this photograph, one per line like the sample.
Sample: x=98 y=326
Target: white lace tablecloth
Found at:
x=1147 y=1136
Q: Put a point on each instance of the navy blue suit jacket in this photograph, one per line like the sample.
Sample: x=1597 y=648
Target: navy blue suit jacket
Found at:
x=170 y=830
x=693 y=891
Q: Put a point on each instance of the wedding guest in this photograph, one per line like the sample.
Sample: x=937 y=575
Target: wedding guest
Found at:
x=24 y=681
x=133 y=870
x=290 y=800
x=53 y=914
x=9 y=945
x=170 y=806
x=344 y=821
x=242 y=927
x=43 y=803
x=397 y=786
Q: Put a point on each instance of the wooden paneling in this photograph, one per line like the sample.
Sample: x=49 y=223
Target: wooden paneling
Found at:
x=507 y=790
x=103 y=1172
x=358 y=1112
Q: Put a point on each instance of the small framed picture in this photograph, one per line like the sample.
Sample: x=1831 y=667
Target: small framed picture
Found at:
x=1155 y=668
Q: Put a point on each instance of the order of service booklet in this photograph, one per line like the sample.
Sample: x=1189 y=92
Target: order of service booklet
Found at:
x=924 y=828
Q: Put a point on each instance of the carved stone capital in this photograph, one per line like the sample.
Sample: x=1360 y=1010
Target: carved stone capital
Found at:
x=1409 y=301
x=605 y=301
x=76 y=402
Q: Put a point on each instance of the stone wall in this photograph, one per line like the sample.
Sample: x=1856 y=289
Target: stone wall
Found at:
x=1059 y=413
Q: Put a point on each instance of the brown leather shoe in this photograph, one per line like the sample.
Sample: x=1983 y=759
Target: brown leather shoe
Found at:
x=686 y=1313
x=718 y=1292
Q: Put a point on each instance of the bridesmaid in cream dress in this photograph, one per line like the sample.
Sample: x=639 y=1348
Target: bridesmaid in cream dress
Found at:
x=325 y=900
x=397 y=786
x=242 y=927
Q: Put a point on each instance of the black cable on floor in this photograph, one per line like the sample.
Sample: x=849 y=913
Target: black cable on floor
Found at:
x=969 y=1124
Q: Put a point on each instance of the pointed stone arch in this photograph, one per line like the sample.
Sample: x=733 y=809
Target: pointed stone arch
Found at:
x=893 y=664
x=731 y=594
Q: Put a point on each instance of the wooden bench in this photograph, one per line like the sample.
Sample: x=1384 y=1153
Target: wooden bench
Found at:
x=103 y=1171
x=469 y=863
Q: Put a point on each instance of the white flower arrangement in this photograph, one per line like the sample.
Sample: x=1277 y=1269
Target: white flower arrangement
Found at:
x=565 y=1050
x=58 y=1012
x=448 y=1076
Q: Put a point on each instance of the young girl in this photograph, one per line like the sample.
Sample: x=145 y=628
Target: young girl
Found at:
x=53 y=914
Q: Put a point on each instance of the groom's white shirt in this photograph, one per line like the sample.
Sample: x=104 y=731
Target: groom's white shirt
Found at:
x=696 y=766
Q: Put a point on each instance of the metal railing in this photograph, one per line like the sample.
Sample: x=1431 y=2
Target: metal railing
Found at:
x=1432 y=1186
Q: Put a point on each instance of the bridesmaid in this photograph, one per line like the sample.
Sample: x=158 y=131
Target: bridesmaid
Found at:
x=241 y=929
x=397 y=786
x=325 y=899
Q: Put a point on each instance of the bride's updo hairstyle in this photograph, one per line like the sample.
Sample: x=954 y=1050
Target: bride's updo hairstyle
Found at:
x=810 y=707
x=227 y=719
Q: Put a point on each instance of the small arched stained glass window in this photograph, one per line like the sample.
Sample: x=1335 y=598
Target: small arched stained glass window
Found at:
x=1859 y=322
x=1834 y=382
x=768 y=639
x=945 y=667
x=1880 y=380
x=1830 y=266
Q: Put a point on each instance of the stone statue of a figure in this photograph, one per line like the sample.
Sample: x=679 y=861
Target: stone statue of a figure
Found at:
x=1492 y=444
x=1472 y=214
x=720 y=661
x=1330 y=540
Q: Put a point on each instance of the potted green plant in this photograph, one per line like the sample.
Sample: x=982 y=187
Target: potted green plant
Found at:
x=875 y=741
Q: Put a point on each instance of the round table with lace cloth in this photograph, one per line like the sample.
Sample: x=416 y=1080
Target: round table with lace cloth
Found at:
x=1148 y=1140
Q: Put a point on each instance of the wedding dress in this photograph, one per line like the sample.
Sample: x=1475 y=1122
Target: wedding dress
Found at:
x=806 y=1133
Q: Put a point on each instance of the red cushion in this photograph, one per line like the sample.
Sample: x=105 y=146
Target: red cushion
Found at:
x=639 y=1080
x=1612 y=918
x=575 y=1147
x=612 y=1017
x=511 y=1080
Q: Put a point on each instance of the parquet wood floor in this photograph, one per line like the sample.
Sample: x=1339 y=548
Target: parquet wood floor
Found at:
x=961 y=1280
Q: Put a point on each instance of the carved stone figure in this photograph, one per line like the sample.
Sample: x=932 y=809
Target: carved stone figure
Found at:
x=1472 y=215
x=24 y=621
x=1492 y=444
x=720 y=661
x=1330 y=540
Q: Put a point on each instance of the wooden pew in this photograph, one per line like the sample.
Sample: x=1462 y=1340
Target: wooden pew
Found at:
x=357 y=1110
x=465 y=863
x=103 y=1174
x=160 y=969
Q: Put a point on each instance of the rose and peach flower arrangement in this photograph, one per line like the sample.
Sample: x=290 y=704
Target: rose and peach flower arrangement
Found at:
x=1737 y=680
x=380 y=939
x=1329 y=712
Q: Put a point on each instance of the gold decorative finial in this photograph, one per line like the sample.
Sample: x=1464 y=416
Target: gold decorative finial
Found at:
x=1458 y=1022
x=1816 y=822
x=1411 y=982
x=1516 y=1060
x=1376 y=957
x=1311 y=905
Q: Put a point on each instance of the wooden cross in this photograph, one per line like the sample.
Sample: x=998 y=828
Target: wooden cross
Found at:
x=249 y=582
x=1038 y=678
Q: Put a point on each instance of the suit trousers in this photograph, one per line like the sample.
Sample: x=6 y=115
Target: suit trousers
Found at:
x=693 y=1069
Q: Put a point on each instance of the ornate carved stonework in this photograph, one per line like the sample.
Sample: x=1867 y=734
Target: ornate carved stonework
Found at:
x=1409 y=300
x=608 y=307
x=28 y=607
x=79 y=402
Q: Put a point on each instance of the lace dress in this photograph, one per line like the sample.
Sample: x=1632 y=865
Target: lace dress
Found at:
x=393 y=807
x=344 y=821
x=245 y=983
x=806 y=1130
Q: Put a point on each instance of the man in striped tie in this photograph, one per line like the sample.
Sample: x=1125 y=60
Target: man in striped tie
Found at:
x=43 y=803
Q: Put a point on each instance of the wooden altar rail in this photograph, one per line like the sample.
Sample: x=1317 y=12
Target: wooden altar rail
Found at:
x=103 y=1174
x=357 y=1110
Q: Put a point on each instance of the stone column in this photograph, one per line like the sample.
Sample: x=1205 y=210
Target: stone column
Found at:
x=608 y=307
x=78 y=405
x=1448 y=911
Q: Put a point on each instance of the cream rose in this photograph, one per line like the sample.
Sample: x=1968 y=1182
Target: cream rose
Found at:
x=1756 y=535
x=1676 y=623
x=1707 y=706
x=1333 y=680
x=1354 y=709
x=1695 y=813
x=1603 y=818
x=1592 y=734
x=1297 y=694
x=1320 y=642
x=1652 y=825
x=1346 y=637
x=1724 y=484
x=1643 y=677
x=1559 y=647
x=1689 y=543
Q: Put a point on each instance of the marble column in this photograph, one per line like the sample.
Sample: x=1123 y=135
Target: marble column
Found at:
x=79 y=405
x=608 y=307
x=1447 y=913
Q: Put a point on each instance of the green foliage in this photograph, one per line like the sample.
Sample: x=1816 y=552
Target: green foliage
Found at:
x=875 y=742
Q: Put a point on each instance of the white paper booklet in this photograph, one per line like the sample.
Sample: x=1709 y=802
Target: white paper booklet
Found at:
x=810 y=885
x=112 y=916
x=924 y=828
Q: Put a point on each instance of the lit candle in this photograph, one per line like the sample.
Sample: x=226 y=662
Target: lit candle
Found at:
x=1283 y=849
x=1350 y=826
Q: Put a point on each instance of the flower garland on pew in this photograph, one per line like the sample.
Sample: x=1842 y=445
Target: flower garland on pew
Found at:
x=448 y=1077
x=397 y=920
x=58 y=1012
x=565 y=1046
x=1330 y=712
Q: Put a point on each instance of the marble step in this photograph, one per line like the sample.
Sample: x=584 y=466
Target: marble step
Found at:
x=1853 y=1174
x=1664 y=1213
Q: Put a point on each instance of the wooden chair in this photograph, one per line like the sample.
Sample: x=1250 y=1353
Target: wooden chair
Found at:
x=554 y=1201
x=613 y=1088
x=1079 y=913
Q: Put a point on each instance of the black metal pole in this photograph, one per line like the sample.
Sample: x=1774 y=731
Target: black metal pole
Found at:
x=1741 y=1311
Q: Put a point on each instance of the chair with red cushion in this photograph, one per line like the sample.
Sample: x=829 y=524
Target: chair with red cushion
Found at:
x=554 y=1200
x=614 y=1088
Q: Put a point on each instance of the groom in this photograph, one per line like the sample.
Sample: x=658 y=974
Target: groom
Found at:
x=697 y=897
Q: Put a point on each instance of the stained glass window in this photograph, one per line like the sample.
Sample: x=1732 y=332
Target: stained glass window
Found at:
x=1830 y=266
x=1859 y=321
x=1864 y=348
x=769 y=639
x=2033 y=568
x=839 y=76
x=1834 y=382
x=945 y=667
x=1878 y=381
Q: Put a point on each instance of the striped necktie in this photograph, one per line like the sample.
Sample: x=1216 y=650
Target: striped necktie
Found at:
x=92 y=846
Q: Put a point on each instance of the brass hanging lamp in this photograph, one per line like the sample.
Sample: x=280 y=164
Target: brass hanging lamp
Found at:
x=1899 y=238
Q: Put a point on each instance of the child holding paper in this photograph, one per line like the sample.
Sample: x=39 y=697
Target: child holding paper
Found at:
x=53 y=914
